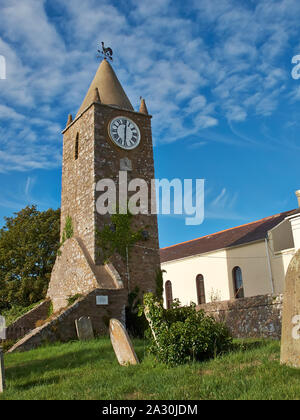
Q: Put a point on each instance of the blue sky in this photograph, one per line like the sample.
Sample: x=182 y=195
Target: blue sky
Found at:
x=216 y=75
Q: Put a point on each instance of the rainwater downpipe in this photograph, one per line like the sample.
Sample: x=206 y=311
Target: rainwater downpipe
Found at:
x=269 y=264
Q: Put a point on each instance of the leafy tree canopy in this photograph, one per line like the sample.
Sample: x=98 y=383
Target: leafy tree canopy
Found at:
x=28 y=246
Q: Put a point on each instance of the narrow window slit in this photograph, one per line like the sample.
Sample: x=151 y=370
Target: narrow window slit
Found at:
x=76 y=147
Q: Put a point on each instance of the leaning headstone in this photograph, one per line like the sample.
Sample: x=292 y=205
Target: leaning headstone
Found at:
x=290 y=337
x=122 y=344
x=2 y=378
x=84 y=328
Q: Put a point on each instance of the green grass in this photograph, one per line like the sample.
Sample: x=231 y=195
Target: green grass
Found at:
x=89 y=370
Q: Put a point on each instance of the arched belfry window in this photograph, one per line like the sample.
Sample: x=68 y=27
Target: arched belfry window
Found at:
x=238 y=283
x=169 y=294
x=76 y=153
x=200 y=289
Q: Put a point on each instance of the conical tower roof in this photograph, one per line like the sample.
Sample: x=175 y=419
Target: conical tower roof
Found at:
x=109 y=88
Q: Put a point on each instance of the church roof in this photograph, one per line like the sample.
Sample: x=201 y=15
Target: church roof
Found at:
x=240 y=235
x=109 y=88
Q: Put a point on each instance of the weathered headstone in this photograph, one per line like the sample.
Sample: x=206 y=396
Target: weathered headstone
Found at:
x=2 y=328
x=290 y=338
x=2 y=377
x=84 y=328
x=122 y=344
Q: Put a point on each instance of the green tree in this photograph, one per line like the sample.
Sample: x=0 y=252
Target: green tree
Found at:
x=28 y=246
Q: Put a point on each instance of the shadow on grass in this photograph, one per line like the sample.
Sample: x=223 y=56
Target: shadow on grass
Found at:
x=54 y=380
x=68 y=360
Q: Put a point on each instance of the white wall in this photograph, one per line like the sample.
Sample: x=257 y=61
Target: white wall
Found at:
x=183 y=273
x=216 y=268
x=252 y=259
x=295 y=223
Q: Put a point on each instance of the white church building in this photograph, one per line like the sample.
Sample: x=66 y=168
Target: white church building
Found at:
x=244 y=261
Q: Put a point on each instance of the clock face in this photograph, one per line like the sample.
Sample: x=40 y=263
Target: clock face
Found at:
x=124 y=133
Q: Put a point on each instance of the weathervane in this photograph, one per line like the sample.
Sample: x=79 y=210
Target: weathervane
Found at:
x=106 y=53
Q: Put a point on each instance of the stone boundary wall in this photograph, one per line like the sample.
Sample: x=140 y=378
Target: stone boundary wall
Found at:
x=253 y=317
x=62 y=327
x=26 y=322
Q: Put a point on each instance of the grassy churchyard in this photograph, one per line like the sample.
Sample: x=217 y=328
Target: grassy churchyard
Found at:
x=90 y=371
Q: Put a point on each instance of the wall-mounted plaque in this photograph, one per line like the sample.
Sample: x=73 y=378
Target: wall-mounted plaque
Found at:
x=101 y=300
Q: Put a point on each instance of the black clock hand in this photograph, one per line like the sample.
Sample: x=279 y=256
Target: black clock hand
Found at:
x=125 y=133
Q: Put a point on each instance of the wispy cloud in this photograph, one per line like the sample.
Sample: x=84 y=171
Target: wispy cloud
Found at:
x=223 y=205
x=196 y=63
x=26 y=192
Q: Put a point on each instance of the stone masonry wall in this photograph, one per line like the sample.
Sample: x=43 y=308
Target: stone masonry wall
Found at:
x=26 y=322
x=62 y=327
x=144 y=257
x=253 y=317
x=75 y=273
x=78 y=189
x=99 y=158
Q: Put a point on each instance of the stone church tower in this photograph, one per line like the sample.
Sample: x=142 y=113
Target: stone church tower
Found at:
x=94 y=148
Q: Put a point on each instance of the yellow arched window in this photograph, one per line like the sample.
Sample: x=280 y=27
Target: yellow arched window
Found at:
x=238 y=283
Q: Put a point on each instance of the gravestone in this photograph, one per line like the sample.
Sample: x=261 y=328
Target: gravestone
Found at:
x=84 y=328
x=290 y=338
x=122 y=344
x=2 y=328
x=2 y=381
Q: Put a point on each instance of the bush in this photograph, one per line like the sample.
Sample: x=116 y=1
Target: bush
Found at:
x=182 y=334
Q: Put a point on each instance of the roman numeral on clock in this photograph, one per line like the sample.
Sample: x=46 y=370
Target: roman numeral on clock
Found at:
x=124 y=132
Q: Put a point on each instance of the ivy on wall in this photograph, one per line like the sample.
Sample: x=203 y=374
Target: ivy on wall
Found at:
x=68 y=232
x=159 y=284
x=118 y=237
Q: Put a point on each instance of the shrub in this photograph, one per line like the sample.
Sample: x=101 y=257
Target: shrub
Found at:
x=182 y=334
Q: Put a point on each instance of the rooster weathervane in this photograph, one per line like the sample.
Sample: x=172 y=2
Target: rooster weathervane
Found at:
x=106 y=52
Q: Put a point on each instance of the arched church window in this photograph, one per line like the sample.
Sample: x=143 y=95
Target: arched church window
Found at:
x=76 y=154
x=238 y=283
x=200 y=289
x=169 y=294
